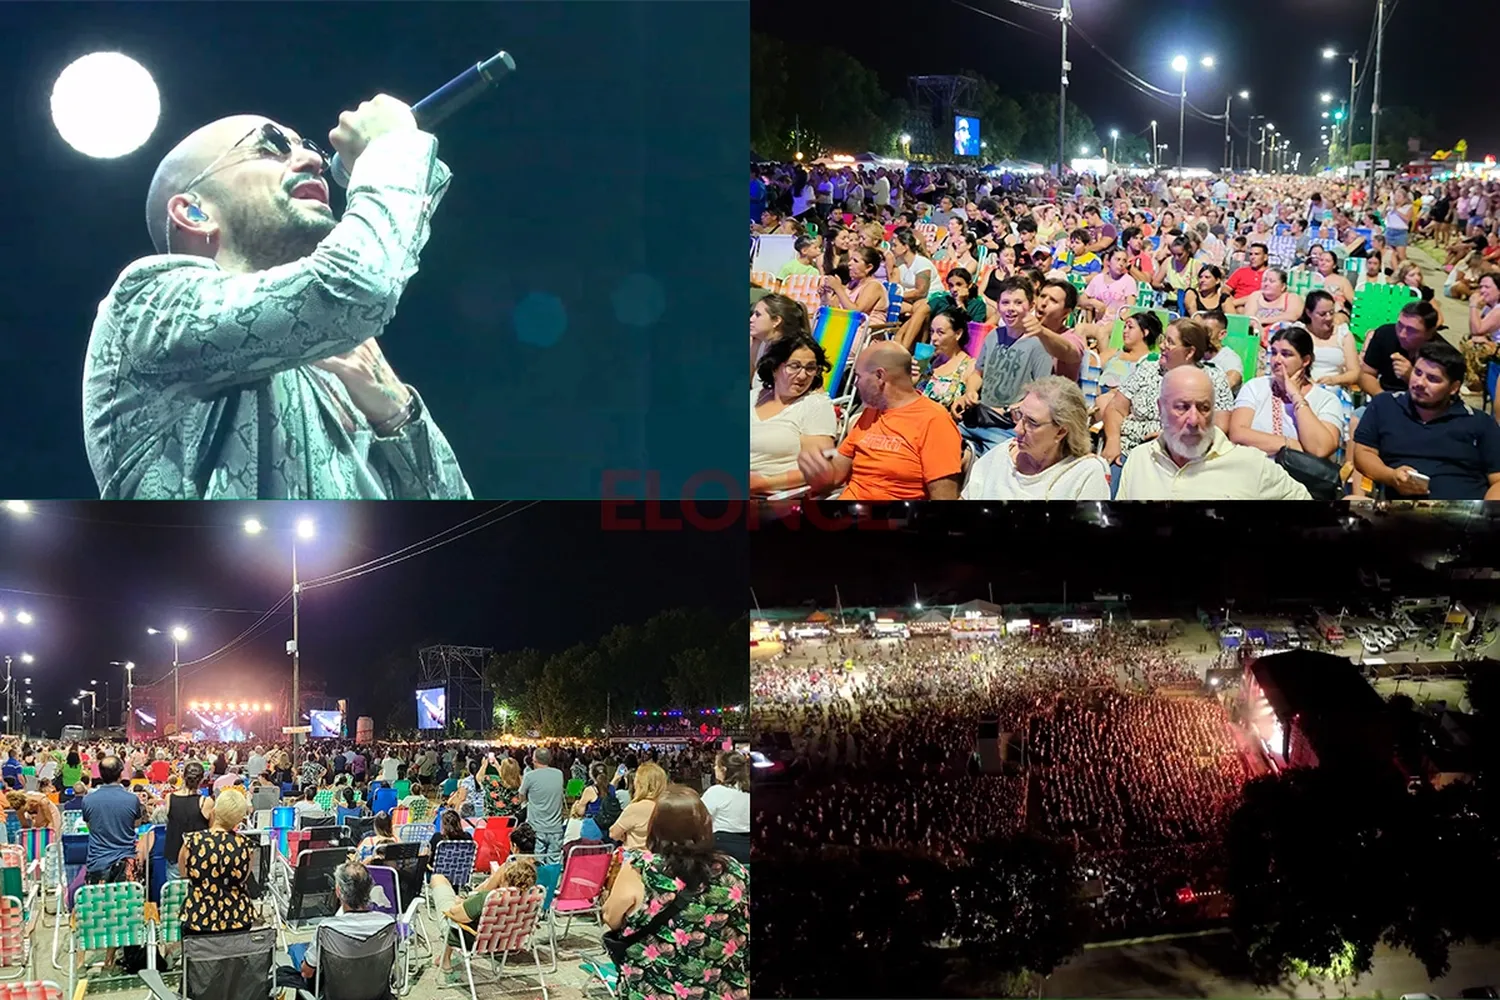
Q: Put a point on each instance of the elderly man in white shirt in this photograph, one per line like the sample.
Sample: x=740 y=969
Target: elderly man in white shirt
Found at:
x=1194 y=460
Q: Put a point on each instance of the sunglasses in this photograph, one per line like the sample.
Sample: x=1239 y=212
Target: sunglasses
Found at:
x=269 y=138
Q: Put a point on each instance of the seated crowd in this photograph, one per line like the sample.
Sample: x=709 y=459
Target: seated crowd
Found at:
x=1120 y=338
x=671 y=817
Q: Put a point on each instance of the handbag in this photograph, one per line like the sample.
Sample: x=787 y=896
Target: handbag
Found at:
x=1320 y=476
x=617 y=943
x=980 y=416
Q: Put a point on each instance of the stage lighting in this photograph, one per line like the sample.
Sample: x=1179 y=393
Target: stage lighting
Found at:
x=105 y=105
x=244 y=707
x=218 y=706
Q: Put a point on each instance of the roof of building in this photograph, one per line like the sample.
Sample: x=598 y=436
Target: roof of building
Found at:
x=1341 y=715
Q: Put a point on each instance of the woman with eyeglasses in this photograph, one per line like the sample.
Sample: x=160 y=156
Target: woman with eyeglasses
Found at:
x=1050 y=457
x=788 y=413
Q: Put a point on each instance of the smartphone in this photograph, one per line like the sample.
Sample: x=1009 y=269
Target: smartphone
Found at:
x=1424 y=480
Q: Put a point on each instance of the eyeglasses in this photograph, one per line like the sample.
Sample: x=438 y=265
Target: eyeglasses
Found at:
x=796 y=368
x=1019 y=417
x=269 y=138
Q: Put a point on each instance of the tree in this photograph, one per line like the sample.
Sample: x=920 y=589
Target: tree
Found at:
x=831 y=98
x=1000 y=121
x=1016 y=905
x=1039 y=137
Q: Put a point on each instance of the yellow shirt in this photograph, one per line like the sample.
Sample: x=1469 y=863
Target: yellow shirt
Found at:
x=1228 y=472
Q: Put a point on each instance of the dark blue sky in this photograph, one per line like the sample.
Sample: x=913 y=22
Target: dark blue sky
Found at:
x=616 y=149
x=96 y=575
x=1272 y=48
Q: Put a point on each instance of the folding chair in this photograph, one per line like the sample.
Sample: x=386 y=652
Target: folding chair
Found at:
x=15 y=938
x=454 y=860
x=581 y=887
x=763 y=279
x=111 y=915
x=420 y=811
x=237 y=966
x=605 y=972
x=575 y=785
x=324 y=799
x=74 y=853
x=387 y=898
x=410 y=865
x=169 y=912
x=510 y=918
x=414 y=833
x=357 y=968
x=304 y=892
x=31 y=989
x=548 y=876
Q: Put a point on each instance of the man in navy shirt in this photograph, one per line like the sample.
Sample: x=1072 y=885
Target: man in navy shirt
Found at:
x=111 y=811
x=1426 y=442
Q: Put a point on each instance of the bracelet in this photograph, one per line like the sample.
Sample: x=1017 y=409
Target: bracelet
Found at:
x=389 y=428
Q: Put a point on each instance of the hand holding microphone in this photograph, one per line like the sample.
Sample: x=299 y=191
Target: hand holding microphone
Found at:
x=372 y=119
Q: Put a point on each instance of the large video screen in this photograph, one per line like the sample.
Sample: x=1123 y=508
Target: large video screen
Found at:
x=326 y=723
x=217 y=725
x=432 y=708
x=965 y=135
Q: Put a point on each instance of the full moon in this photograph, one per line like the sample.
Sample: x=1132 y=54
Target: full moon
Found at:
x=105 y=105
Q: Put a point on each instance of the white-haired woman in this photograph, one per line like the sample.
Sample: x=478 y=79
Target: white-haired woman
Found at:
x=1049 y=458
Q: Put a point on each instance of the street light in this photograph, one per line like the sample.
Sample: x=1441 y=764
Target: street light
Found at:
x=1155 y=161
x=1114 y=145
x=1180 y=64
x=93 y=697
x=125 y=709
x=1331 y=53
x=18 y=506
x=1325 y=97
x=305 y=530
x=179 y=635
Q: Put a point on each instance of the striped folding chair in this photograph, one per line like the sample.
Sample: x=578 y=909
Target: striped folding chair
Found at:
x=15 y=939
x=764 y=279
x=507 y=923
x=324 y=799
x=803 y=288
x=420 y=811
x=414 y=833
x=112 y=915
x=31 y=989
x=169 y=913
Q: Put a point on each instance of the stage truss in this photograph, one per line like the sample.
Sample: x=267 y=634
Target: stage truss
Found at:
x=459 y=670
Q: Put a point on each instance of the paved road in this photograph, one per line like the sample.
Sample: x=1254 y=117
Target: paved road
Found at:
x=1192 y=968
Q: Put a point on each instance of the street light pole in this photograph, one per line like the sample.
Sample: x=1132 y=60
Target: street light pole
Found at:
x=1062 y=96
x=296 y=640
x=1349 y=123
x=1155 y=152
x=1181 y=117
x=1375 y=101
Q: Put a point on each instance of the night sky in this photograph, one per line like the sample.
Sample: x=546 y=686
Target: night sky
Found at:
x=547 y=576
x=615 y=149
x=1166 y=556
x=1271 y=48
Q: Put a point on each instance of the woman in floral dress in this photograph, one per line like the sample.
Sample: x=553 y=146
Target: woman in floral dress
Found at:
x=702 y=951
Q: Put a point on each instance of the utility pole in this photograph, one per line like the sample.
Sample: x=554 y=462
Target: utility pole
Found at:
x=1349 y=124
x=1227 y=164
x=1062 y=95
x=1375 y=101
x=1155 y=149
x=296 y=645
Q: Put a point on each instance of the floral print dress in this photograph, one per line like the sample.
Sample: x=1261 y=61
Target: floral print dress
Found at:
x=218 y=863
x=703 y=951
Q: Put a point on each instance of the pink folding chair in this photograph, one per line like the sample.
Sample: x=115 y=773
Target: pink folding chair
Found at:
x=509 y=920
x=581 y=889
x=31 y=989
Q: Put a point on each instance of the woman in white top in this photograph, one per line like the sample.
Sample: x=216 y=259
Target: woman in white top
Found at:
x=1049 y=458
x=728 y=805
x=1272 y=304
x=1331 y=281
x=1285 y=409
x=788 y=413
x=1335 y=361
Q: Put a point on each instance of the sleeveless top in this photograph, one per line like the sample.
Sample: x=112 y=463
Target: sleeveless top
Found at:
x=184 y=816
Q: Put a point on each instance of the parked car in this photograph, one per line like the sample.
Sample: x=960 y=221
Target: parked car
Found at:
x=1480 y=993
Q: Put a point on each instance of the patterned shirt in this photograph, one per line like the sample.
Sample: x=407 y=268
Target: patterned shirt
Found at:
x=702 y=951
x=198 y=383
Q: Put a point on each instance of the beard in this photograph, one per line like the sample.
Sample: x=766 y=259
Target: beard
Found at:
x=1192 y=452
x=269 y=236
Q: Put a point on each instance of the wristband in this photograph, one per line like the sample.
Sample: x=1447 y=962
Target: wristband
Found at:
x=407 y=413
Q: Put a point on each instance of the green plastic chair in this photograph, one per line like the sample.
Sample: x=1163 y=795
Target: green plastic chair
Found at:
x=173 y=895
x=1166 y=316
x=1299 y=282
x=403 y=788
x=575 y=788
x=1377 y=305
x=1247 y=346
x=1236 y=323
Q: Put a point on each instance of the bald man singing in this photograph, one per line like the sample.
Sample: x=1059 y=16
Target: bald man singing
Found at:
x=242 y=361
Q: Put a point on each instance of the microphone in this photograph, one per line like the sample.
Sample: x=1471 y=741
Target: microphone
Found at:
x=438 y=105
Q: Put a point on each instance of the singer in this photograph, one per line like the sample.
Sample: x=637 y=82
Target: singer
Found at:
x=241 y=361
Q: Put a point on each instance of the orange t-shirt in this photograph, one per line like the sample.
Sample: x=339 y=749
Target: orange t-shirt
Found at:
x=898 y=452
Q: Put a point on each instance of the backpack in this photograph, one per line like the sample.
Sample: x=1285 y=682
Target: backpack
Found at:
x=609 y=811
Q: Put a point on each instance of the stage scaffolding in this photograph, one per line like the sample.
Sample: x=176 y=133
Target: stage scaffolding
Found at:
x=459 y=670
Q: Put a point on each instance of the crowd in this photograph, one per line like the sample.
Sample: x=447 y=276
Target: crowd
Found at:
x=1113 y=746
x=676 y=817
x=1016 y=338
